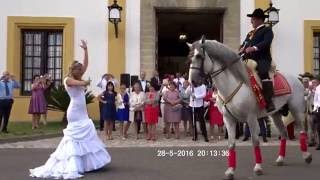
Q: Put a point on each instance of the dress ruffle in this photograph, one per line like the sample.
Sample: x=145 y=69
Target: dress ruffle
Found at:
x=79 y=151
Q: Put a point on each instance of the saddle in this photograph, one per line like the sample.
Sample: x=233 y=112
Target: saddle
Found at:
x=252 y=64
x=280 y=83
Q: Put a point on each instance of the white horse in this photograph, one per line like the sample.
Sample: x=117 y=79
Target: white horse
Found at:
x=238 y=103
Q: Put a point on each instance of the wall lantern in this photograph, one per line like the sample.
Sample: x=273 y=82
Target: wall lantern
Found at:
x=273 y=15
x=115 y=15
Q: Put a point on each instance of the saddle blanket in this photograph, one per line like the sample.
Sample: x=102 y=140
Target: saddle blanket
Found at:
x=280 y=86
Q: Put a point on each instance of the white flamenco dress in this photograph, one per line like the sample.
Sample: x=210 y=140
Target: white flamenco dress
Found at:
x=80 y=149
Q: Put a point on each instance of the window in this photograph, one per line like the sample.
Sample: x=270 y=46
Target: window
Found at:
x=316 y=53
x=41 y=54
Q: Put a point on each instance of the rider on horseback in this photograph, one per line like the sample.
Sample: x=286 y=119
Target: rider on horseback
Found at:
x=257 y=46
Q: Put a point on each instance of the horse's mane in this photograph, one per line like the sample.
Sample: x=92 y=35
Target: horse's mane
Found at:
x=226 y=56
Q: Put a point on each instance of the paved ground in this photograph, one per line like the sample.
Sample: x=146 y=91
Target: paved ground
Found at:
x=139 y=159
x=144 y=164
x=185 y=141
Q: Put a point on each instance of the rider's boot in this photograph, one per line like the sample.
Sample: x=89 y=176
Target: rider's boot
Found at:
x=267 y=90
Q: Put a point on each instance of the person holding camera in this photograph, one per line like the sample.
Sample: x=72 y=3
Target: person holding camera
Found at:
x=47 y=92
x=7 y=85
x=38 y=103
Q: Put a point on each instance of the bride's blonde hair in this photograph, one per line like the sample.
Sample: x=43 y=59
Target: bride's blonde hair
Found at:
x=73 y=65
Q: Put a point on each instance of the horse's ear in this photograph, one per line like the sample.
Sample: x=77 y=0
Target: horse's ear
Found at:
x=203 y=39
x=189 y=45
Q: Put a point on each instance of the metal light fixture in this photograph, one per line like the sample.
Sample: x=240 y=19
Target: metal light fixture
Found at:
x=183 y=36
x=273 y=14
x=115 y=15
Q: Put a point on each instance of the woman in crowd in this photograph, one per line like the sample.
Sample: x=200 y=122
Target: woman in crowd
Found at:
x=108 y=98
x=123 y=112
x=136 y=106
x=172 y=109
x=38 y=103
x=151 y=111
x=186 y=111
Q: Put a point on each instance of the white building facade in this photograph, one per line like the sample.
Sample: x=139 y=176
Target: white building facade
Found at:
x=295 y=47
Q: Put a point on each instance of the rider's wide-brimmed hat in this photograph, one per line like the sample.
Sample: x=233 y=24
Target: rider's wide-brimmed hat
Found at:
x=306 y=75
x=258 y=13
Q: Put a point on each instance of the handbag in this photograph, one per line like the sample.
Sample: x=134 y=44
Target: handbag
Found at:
x=176 y=107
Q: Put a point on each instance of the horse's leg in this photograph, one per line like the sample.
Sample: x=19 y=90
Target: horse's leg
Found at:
x=299 y=117
x=254 y=129
x=284 y=136
x=231 y=129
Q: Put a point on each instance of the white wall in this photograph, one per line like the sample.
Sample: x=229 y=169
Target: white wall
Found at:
x=247 y=6
x=90 y=24
x=133 y=37
x=288 y=45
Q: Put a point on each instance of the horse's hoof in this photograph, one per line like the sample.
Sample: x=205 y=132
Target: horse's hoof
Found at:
x=229 y=174
x=279 y=161
x=228 y=177
x=258 y=172
x=308 y=159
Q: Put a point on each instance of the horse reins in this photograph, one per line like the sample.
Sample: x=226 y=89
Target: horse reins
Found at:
x=214 y=74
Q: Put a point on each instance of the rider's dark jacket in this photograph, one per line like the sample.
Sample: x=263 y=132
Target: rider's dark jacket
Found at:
x=261 y=38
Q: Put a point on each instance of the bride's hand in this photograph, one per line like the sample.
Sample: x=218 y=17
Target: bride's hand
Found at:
x=87 y=82
x=83 y=44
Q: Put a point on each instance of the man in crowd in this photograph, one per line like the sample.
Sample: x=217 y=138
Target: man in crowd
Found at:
x=143 y=82
x=263 y=131
x=179 y=81
x=198 y=92
x=316 y=109
x=7 y=85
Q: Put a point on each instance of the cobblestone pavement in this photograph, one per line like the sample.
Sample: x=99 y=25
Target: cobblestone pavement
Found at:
x=133 y=142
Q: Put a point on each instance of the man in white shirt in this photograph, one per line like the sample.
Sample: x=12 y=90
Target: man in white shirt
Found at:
x=198 y=91
x=102 y=84
x=316 y=109
x=179 y=81
x=163 y=89
x=308 y=97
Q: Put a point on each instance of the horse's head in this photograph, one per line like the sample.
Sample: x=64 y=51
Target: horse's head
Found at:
x=200 y=63
x=210 y=58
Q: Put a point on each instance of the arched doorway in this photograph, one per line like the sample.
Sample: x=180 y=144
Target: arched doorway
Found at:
x=171 y=52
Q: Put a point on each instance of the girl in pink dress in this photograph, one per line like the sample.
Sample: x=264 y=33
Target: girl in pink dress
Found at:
x=151 y=112
x=215 y=116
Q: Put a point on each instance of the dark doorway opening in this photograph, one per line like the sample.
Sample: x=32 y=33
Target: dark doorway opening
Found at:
x=171 y=52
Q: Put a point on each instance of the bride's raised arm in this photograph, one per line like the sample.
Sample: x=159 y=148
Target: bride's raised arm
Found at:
x=85 y=58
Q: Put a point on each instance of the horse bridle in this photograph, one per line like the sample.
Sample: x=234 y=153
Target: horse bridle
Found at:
x=214 y=73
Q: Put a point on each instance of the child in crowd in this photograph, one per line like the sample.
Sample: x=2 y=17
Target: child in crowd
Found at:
x=108 y=98
x=123 y=112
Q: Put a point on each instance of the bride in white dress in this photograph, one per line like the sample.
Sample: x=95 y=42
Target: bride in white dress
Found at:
x=80 y=149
